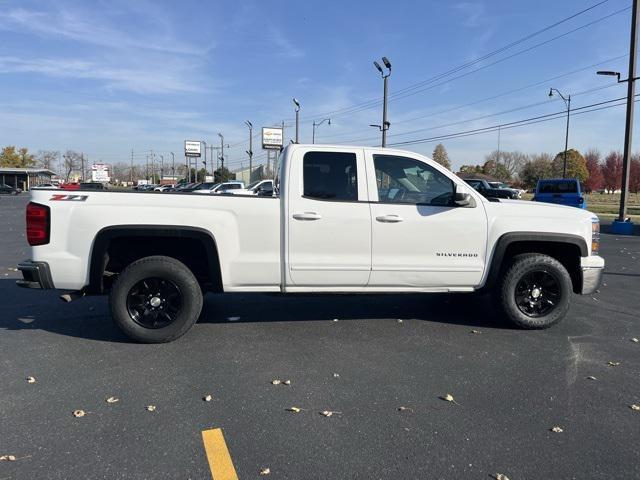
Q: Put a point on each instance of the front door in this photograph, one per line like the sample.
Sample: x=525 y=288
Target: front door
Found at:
x=419 y=237
x=329 y=221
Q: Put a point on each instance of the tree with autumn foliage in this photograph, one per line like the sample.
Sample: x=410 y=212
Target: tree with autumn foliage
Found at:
x=612 y=171
x=576 y=165
x=634 y=174
x=595 y=180
x=16 y=158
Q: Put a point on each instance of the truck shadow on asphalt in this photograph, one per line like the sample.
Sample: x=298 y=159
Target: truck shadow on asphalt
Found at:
x=89 y=317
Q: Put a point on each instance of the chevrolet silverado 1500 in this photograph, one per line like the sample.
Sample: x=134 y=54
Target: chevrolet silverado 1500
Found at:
x=346 y=219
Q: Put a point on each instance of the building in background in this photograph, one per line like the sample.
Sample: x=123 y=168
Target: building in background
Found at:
x=25 y=178
x=259 y=173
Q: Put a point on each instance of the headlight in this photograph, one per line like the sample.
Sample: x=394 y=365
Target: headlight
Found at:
x=595 y=236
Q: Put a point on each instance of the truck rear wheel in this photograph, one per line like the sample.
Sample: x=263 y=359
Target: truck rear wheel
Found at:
x=535 y=291
x=155 y=299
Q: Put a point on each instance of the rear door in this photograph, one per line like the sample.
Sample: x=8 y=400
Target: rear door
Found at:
x=329 y=222
x=419 y=237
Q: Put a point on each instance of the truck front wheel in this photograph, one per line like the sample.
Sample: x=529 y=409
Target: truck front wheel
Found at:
x=155 y=299
x=535 y=291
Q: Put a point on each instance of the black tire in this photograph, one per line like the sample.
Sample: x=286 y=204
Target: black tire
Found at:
x=179 y=302
x=535 y=291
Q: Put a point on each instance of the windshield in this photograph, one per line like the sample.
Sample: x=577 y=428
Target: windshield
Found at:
x=563 y=186
x=254 y=184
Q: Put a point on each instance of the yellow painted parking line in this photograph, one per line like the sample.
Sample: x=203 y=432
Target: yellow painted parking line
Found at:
x=218 y=455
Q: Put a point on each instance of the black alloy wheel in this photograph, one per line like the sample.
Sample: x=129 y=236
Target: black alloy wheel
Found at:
x=537 y=293
x=154 y=303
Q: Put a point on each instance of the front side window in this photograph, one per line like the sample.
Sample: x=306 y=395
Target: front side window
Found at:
x=406 y=180
x=330 y=176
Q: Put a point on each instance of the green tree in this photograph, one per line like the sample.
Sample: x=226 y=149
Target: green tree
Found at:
x=470 y=169
x=576 y=165
x=441 y=156
x=496 y=170
x=539 y=166
x=12 y=158
x=223 y=174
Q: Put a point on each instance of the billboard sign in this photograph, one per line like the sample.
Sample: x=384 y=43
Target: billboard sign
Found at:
x=272 y=138
x=100 y=172
x=192 y=148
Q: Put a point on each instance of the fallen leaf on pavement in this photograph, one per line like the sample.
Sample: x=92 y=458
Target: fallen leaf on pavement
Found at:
x=449 y=398
x=591 y=377
x=276 y=382
x=557 y=429
x=403 y=409
x=336 y=375
x=399 y=320
x=500 y=476
x=207 y=398
x=476 y=331
x=79 y=413
x=613 y=364
x=112 y=400
x=335 y=319
x=294 y=409
x=151 y=408
x=10 y=458
x=287 y=382
x=634 y=407
x=31 y=380
x=328 y=413
x=265 y=471
x=635 y=340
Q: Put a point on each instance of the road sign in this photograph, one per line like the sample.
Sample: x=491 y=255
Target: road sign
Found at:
x=100 y=172
x=272 y=138
x=192 y=148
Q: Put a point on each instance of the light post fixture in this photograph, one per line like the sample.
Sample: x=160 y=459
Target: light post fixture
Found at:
x=250 y=151
x=315 y=125
x=297 y=104
x=567 y=102
x=385 y=77
x=222 y=145
x=623 y=225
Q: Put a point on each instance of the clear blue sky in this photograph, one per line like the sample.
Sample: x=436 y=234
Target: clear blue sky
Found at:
x=106 y=77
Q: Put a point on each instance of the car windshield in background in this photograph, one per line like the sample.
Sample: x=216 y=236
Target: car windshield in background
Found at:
x=568 y=186
x=206 y=186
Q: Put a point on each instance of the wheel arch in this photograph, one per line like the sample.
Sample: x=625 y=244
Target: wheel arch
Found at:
x=565 y=248
x=132 y=242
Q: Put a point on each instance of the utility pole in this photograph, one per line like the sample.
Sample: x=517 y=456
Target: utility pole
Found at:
x=297 y=104
x=82 y=166
x=131 y=169
x=567 y=103
x=173 y=166
x=385 y=77
x=623 y=225
x=250 y=151
x=221 y=150
x=161 y=167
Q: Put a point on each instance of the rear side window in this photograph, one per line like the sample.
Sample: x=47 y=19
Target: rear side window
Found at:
x=558 y=187
x=330 y=176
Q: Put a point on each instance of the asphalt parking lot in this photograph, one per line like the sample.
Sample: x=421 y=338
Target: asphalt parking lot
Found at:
x=510 y=386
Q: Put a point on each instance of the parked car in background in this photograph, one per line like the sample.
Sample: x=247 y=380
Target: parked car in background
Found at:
x=561 y=191
x=217 y=188
x=185 y=187
x=9 y=190
x=506 y=186
x=70 y=186
x=163 y=188
x=259 y=187
x=483 y=187
x=43 y=186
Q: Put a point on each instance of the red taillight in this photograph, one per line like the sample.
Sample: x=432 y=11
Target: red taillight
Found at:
x=37 y=224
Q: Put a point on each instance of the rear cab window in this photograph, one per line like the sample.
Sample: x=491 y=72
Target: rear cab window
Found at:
x=558 y=186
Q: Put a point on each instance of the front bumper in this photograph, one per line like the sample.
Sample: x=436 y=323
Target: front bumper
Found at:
x=35 y=275
x=591 y=279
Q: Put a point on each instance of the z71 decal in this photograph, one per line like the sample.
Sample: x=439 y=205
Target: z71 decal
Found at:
x=71 y=198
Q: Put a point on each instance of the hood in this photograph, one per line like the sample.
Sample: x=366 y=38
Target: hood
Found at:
x=541 y=209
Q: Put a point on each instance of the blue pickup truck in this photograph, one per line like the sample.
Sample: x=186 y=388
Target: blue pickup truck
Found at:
x=563 y=191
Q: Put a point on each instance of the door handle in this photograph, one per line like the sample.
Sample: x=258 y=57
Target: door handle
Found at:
x=389 y=218
x=307 y=216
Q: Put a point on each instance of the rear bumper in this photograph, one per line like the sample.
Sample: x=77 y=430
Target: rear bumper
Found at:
x=35 y=275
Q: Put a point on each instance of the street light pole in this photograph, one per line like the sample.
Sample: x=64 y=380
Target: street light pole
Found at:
x=623 y=225
x=567 y=103
x=221 y=151
x=161 y=167
x=385 y=77
x=173 y=166
x=250 y=151
x=297 y=104
x=313 y=136
x=205 y=160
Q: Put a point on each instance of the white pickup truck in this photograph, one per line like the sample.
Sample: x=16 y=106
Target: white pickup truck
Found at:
x=347 y=219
